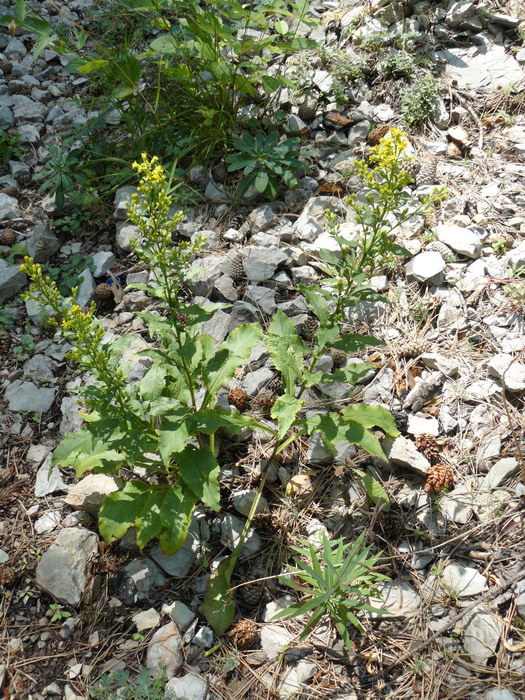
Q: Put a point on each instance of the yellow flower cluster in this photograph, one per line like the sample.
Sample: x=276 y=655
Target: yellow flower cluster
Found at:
x=390 y=148
x=153 y=173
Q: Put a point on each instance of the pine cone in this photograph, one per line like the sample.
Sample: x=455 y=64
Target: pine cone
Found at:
x=251 y=594
x=339 y=357
x=446 y=253
x=413 y=348
x=17 y=87
x=375 y=136
x=7 y=236
x=236 y=222
x=103 y=291
x=182 y=318
x=5 y=477
x=391 y=524
x=427 y=174
x=244 y=634
x=428 y=446
x=411 y=167
x=431 y=218
x=237 y=269
x=8 y=575
x=264 y=523
x=439 y=478
x=239 y=399
x=310 y=327
x=5 y=342
x=6 y=67
x=264 y=402
x=275 y=385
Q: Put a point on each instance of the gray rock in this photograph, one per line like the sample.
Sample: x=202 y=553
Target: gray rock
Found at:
x=204 y=638
x=462 y=240
x=225 y=289
x=458 y=12
x=489 y=68
x=102 y=262
x=463 y=581
x=49 y=482
x=217 y=326
x=86 y=288
x=138 y=579
x=502 y=470
x=187 y=687
x=315 y=209
x=214 y=192
x=274 y=639
x=261 y=297
x=242 y=312
x=165 y=651
x=12 y=280
x=316 y=450
x=126 y=232
x=30 y=111
x=505 y=20
x=499 y=694
x=180 y=563
x=48 y=522
x=26 y=396
x=63 y=570
x=243 y=500
x=9 y=208
x=39 y=368
x=257 y=380
x=456 y=505
x=482 y=630
x=397 y=598
x=42 y=244
x=295 y=678
x=427 y=267
x=231 y=528
x=122 y=199
x=440 y=363
x=205 y=273
x=181 y=615
x=260 y=263
x=71 y=417
x=30 y=133
x=294 y=307
x=262 y=218
x=6 y=116
x=89 y=493
x=510 y=372
x=403 y=452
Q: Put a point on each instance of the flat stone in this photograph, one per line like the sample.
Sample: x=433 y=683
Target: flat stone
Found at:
x=462 y=240
x=427 y=267
x=138 y=579
x=204 y=638
x=121 y=201
x=86 y=288
x=440 y=363
x=491 y=67
x=397 y=598
x=12 y=280
x=42 y=244
x=146 y=619
x=243 y=500
x=255 y=381
x=273 y=640
x=48 y=482
x=48 y=522
x=482 y=631
x=463 y=581
x=26 y=396
x=126 y=232
x=403 y=452
x=102 y=262
x=510 y=372
x=181 y=615
x=180 y=563
x=260 y=263
x=39 y=368
x=499 y=694
x=231 y=528
x=63 y=570
x=295 y=678
x=9 y=208
x=71 y=417
x=165 y=651
x=262 y=218
x=261 y=297
x=418 y=425
x=187 y=687
x=89 y=493
x=456 y=505
x=502 y=470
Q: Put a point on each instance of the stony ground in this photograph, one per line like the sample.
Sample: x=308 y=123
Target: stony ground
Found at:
x=451 y=369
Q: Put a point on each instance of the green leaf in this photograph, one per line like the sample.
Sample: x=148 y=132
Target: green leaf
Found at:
x=165 y=44
x=372 y=417
x=353 y=342
x=153 y=382
x=90 y=66
x=173 y=435
x=285 y=410
x=120 y=509
x=200 y=471
x=261 y=181
x=122 y=91
x=71 y=446
x=317 y=304
x=176 y=513
x=218 y=607
x=281 y=27
x=228 y=357
x=148 y=521
x=375 y=492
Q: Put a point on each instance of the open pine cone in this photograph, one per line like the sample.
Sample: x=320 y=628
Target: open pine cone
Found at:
x=103 y=291
x=237 y=269
x=251 y=594
x=239 y=399
x=339 y=357
x=8 y=575
x=244 y=634
x=264 y=402
x=428 y=446
x=310 y=327
x=391 y=524
x=5 y=342
x=413 y=348
x=375 y=136
x=439 y=478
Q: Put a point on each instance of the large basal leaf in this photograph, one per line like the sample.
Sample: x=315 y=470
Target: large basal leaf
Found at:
x=218 y=607
x=317 y=304
x=71 y=446
x=173 y=435
x=353 y=342
x=176 y=514
x=148 y=521
x=229 y=356
x=285 y=410
x=372 y=417
x=210 y=420
x=120 y=509
x=153 y=382
x=200 y=472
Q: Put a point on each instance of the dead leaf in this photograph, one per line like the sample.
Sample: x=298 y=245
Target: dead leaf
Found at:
x=299 y=486
x=460 y=136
